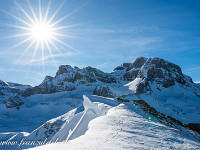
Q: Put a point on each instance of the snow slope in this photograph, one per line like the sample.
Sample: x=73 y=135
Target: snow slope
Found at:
x=37 y=109
x=161 y=84
x=124 y=128
x=164 y=87
x=18 y=86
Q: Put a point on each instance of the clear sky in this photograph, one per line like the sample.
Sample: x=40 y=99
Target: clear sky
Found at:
x=102 y=34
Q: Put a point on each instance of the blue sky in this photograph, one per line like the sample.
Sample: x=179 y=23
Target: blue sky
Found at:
x=109 y=33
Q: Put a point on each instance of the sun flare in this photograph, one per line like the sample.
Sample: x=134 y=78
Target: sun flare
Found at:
x=41 y=32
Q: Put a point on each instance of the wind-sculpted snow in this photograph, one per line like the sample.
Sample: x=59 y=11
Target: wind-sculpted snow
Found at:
x=157 y=82
x=78 y=125
x=122 y=128
x=70 y=125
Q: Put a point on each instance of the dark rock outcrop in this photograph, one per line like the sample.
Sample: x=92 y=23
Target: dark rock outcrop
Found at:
x=103 y=91
x=160 y=71
x=194 y=127
x=13 y=102
x=163 y=73
x=64 y=69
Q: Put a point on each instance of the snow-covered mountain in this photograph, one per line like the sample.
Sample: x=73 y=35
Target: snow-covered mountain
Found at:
x=103 y=123
x=153 y=92
x=163 y=86
x=18 y=86
x=9 y=89
x=68 y=78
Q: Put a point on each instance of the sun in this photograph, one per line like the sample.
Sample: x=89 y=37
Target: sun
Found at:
x=41 y=32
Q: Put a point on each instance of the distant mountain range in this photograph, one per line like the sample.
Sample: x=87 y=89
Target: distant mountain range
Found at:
x=155 y=86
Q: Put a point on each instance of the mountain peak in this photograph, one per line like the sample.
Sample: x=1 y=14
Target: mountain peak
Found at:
x=64 y=69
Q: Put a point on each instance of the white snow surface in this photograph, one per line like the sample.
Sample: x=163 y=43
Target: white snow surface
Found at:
x=179 y=102
x=18 y=86
x=122 y=128
x=97 y=122
x=133 y=85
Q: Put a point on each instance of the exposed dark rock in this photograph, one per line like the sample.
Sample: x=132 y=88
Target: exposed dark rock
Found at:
x=122 y=100
x=2 y=83
x=52 y=128
x=164 y=119
x=197 y=93
x=168 y=120
x=100 y=75
x=1 y=94
x=103 y=91
x=139 y=62
x=119 y=68
x=77 y=76
x=140 y=88
x=127 y=65
x=131 y=75
x=48 y=79
x=13 y=102
x=161 y=63
x=64 y=69
x=194 y=127
x=168 y=83
x=154 y=73
x=157 y=70
x=163 y=73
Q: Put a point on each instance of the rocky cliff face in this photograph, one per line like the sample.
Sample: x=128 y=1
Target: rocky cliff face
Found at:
x=13 y=102
x=8 y=89
x=149 y=70
x=162 y=73
x=153 y=81
x=104 y=91
x=68 y=79
x=164 y=87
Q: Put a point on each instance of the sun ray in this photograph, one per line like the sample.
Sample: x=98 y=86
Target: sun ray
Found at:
x=66 y=16
x=34 y=15
x=65 y=44
x=24 y=52
x=23 y=11
x=67 y=26
x=58 y=50
x=50 y=52
x=40 y=29
x=55 y=13
x=34 y=53
x=17 y=35
x=47 y=11
x=66 y=35
x=19 y=27
x=20 y=43
x=21 y=20
x=40 y=11
x=42 y=50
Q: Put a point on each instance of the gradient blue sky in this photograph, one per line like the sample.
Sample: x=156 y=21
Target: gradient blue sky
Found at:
x=114 y=31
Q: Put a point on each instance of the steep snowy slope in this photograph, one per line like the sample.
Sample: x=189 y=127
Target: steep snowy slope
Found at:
x=123 y=128
x=18 y=86
x=6 y=91
x=159 y=82
x=36 y=110
x=198 y=84
x=152 y=82
x=164 y=87
x=69 y=79
x=68 y=126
